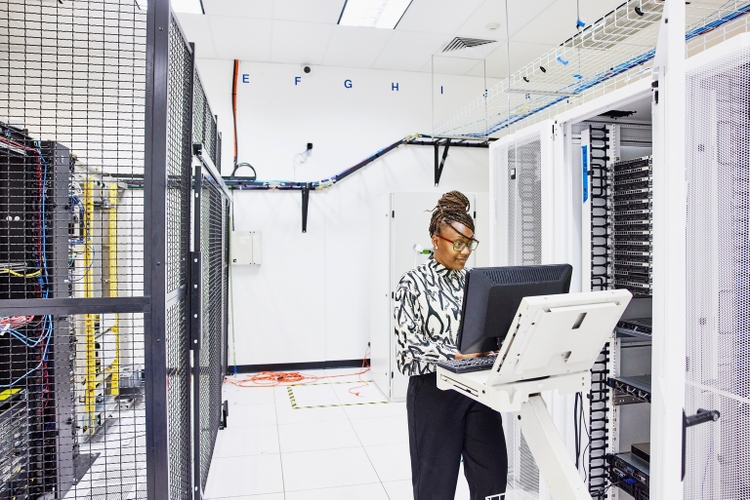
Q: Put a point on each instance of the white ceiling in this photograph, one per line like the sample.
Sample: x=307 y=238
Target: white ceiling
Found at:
x=305 y=32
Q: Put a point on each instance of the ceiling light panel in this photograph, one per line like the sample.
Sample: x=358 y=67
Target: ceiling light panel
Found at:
x=383 y=14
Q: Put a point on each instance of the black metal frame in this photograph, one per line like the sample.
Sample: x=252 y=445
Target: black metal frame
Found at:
x=155 y=187
x=208 y=343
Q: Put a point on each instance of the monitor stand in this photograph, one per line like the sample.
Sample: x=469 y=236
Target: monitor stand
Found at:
x=552 y=458
x=524 y=399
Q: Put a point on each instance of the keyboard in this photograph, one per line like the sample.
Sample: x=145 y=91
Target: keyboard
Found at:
x=466 y=365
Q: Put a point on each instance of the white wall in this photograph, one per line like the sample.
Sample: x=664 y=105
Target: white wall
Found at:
x=309 y=299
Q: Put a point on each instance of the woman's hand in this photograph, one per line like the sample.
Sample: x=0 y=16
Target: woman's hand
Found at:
x=475 y=355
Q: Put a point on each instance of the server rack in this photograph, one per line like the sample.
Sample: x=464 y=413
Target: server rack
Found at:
x=620 y=222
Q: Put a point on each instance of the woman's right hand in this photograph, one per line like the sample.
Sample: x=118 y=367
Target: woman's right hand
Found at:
x=474 y=355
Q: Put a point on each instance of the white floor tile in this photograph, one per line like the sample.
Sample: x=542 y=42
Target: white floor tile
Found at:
x=289 y=415
x=385 y=430
x=373 y=491
x=251 y=415
x=402 y=490
x=312 y=395
x=253 y=475
x=357 y=393
x=327 y=469
x=376 y=411
x=391 y=461
x=347 y=374
x=399 y=490
x=248 y=395
x=245 y=441
x=334 y=449
x=317 y=436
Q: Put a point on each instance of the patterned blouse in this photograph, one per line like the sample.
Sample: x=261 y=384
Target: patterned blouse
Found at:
x=427 y=315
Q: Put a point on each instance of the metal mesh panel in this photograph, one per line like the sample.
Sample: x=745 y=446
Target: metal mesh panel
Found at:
x=72 y=83
x=204 y=122
x=72 y=107
x=717 y=286
x=110 y=426
x=525 y=203
x=178 y=402
x=178 y=157
x=179 y=118
x=215 y=287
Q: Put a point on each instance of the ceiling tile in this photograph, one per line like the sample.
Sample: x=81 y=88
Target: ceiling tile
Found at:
x=408 y=51
x=355 y=47
x=557 y=22
x=257 y=9
x=318 y=11
x=197 y=29
x=523 y=12
x=437 y=16
x=294 y=42
x=305 y=31
x=242 y=38
x=491 y=11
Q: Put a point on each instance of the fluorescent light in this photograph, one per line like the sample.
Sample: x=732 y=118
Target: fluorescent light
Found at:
x=383 y=14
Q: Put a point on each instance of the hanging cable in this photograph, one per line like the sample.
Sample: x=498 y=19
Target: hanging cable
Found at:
x=234 y=106
x=235 y=163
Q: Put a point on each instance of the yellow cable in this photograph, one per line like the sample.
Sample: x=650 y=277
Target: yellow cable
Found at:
x=19 y=275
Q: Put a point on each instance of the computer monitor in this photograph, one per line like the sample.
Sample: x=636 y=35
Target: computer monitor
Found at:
x=492 y=296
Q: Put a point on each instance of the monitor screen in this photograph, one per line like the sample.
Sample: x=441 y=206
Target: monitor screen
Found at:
x=492 y=296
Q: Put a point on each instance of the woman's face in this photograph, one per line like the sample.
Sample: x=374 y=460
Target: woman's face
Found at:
x=444 y=252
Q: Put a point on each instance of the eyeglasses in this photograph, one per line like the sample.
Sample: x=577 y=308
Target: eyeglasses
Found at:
x=459 y=245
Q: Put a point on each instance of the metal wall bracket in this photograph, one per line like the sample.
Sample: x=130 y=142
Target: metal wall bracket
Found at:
x=305 y=204
x=440 y=163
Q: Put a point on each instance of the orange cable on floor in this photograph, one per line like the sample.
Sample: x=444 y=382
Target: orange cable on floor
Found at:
x=274 y=379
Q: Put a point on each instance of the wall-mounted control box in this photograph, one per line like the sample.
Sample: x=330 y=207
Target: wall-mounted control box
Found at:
x=245 y=248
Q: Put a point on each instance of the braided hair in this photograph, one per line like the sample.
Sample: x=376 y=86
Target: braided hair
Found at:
x=451 y=207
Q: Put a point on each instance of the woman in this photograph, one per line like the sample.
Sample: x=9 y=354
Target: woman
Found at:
x=444 y=426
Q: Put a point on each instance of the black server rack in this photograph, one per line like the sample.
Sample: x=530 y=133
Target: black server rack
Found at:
x=35 y=451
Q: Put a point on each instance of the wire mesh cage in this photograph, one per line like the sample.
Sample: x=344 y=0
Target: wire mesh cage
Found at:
x=211 y=362
x=72 y=102
x=211 y=246
x=88 y=336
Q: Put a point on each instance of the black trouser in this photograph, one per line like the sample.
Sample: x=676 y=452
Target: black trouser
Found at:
x=445 y=425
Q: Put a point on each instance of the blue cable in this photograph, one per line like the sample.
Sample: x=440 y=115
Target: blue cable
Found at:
x=48 y=335
x=86 y=271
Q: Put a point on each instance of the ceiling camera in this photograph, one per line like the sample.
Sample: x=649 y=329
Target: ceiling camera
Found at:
x=307 y=69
